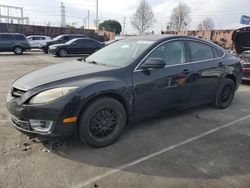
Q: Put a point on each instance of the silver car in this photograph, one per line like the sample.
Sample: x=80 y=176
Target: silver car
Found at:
x=36 y=40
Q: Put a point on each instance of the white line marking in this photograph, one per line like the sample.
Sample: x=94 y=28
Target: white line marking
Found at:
x=122 y=167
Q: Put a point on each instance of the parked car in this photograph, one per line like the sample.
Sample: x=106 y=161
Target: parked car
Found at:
x=241 y=40
x=61 y=39
x=13 y=42
x=129 y=79
x=76 y=46
x=36 y=40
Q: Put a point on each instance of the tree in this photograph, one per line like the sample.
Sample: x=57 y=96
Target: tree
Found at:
x=143 y=18
x=206 y=24
x=111 y=25
x=180 y=17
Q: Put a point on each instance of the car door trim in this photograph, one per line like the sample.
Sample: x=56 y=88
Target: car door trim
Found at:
x=187 y=63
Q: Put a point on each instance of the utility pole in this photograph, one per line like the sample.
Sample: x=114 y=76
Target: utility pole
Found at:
x=88 y=19
x=97 y=14
x=124 y=25
x=63 y=17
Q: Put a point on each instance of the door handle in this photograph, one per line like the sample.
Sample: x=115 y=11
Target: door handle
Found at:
x=221 y=64
x=186 y=71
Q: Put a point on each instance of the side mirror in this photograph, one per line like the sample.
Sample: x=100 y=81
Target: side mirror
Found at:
x=74 y=43
x=154 y=63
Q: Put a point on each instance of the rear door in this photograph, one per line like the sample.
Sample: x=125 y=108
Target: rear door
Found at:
x=208 y=67
x=6 y=42
x=86 y=46
x=75 y=47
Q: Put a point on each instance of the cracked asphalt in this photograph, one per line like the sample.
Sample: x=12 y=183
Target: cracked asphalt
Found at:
x=189 y=158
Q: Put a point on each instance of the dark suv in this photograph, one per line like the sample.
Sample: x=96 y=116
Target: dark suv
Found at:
x=13 y=42
x=61 y=39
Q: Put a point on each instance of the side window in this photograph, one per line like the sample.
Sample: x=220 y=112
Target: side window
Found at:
x=200 y=51
x=65 y=38
x=36 y=38
x=220 y=53
x=172 y=53
x=19 y=37
x=7 y=37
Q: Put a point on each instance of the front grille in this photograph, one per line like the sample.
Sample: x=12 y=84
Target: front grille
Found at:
x=21 y=123
x=17 y=92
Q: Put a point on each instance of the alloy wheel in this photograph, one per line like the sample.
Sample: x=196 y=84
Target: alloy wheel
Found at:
x=103 y=123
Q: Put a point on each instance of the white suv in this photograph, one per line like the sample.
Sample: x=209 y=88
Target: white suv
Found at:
x=36 y=40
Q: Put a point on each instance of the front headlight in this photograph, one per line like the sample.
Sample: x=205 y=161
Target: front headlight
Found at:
x=52 y=47
x=51 y=95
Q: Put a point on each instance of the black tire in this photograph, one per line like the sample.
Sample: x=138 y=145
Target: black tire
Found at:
x=102 y=122
x=18 y=50
x=225 y=94
x=62 y=53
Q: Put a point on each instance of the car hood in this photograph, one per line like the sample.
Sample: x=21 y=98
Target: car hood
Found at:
x=58 y=45
x=57 y=72
x=241 y=39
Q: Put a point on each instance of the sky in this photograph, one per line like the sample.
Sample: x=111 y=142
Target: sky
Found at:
x=225 y=13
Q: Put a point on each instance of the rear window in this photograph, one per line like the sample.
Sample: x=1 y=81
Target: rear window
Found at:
x=6 y=37
x=200 y=51
x=218 y=53
x=19 y=37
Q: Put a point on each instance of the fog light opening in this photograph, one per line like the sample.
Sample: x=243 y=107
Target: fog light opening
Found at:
x=41 y=125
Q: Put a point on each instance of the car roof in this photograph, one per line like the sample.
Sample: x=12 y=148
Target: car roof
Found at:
x=163 y=37
x=37 y=36
x=73 y=35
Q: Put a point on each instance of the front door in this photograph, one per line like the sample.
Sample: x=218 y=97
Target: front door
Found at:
x=160 y=89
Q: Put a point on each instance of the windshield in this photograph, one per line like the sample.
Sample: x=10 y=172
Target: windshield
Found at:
x=121 y=53
x=71 y=41
x=58 y=37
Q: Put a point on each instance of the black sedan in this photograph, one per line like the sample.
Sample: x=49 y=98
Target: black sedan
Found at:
x=76 y=46
x=133 y=78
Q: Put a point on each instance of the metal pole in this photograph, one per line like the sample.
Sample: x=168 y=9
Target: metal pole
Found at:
x=97 y=16
x=124 y=24
x=88 y=19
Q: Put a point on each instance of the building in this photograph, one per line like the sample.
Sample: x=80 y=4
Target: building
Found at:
x=220 y=37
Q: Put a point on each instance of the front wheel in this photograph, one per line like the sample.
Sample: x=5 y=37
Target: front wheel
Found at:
x=18 y=50
x=102 y=122
x=225 y=94
x=62 y=53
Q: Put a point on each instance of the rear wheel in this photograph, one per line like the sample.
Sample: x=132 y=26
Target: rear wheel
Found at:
x=18 y=50
x=62 y=53
x=225 y=94
x=102 y=122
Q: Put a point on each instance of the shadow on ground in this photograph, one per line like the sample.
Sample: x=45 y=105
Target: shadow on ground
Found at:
x=224 y=153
